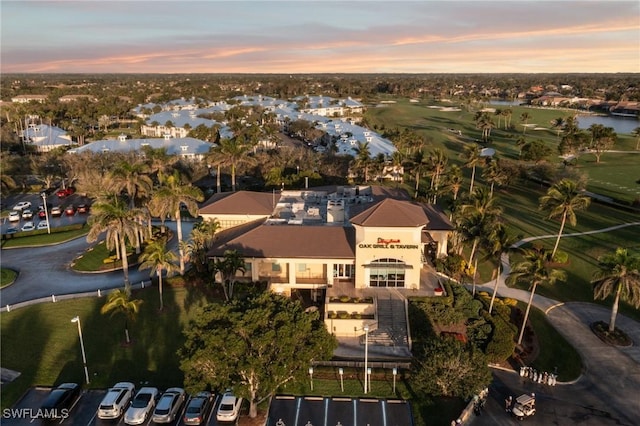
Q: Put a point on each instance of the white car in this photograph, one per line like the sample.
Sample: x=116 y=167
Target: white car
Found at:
x=28 y=226
x=116 y=400
x=14 y=216
x=229 y=408
x=169 y=405
x=27 y=214
x=22 y=205
x=141 y=405
x=42 y=224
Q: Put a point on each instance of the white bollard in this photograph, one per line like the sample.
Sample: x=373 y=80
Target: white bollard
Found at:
x=99 y=293
x=53 y=298
x=141 y=284
x=8 y=308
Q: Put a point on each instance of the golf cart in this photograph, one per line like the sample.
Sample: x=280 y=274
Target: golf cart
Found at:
x=524 y=406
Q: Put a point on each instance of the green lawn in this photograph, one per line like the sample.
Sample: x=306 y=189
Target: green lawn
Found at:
x=7 y=276
x=556 y=354
x=41 y=342
x=95 y=259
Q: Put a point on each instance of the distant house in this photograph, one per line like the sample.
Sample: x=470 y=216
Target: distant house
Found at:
x=73 y=98
x=45 y=138
x=24 y=99
x=187 y=148
x=626 y=109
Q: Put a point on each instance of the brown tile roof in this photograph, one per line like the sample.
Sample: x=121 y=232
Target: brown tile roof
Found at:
x=260 y=240
x=241 y=202
x=397 y=213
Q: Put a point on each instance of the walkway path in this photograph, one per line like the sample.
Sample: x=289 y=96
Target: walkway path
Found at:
x=610 y=373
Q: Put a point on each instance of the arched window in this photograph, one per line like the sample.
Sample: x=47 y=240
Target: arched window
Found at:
x=387 y=272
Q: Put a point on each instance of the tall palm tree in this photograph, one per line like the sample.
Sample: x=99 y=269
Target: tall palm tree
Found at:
x=636 y=132
x=228 y=266
x=497 y=244
x=619 y=274
x=157 y=258
x=563 y=200
x=471 y=158
x=121 y=224
x=119 y=302
x=495 y=175
x=202 y=237
x=233 y=152
x=534 y=269
x=362 y=159
x=168 y=200
x=437 y=166
x=558 y=124
x=419 y=164
x=453 y=180
x=525 y=116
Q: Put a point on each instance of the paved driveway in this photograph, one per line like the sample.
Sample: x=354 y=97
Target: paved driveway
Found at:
x=44 y=271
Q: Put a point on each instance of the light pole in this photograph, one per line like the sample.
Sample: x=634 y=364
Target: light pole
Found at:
x=46 y=211
x=84 y=357
x=311 y=376
x=395 y=373
x=369 y=378
x=366 y=356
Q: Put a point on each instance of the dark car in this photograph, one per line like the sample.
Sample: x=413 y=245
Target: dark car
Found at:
x=60 y=400
x=70 y=210
x=197 y=408
x=83 y=208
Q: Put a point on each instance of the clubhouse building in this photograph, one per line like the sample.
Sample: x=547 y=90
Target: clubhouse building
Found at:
x=333 y=244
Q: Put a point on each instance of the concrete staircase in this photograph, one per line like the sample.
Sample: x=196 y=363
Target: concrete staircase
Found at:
x=392 y=324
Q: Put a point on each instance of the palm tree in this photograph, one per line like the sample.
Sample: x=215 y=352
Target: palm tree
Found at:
x=497 y=244
x=525 y=116
x=619 y=274
x=471 y=157
x=228 y=266
x=419 y=164
x=563 y=200
x=454 y=180
x=233 y=152
x=636 y=133
x=202 y=237
x=558 y=124
x=157 y=258
x=168 y=200
x=534 y=269
x=495 y=175
x=120 y=223
x=363 y=159
x=437 y=166
x=119 y=301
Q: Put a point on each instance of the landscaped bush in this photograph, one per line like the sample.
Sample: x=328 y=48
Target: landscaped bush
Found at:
x=501 y=345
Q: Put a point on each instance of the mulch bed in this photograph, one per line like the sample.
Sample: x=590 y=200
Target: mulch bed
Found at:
x=615 y=338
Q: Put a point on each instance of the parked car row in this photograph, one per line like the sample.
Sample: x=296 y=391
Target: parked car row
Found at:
x=147 y=403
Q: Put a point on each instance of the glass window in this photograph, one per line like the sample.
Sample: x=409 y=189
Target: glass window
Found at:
x=387 y=273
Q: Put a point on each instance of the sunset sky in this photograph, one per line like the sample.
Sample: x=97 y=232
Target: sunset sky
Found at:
x=319 y=37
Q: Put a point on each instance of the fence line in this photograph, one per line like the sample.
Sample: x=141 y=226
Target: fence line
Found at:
x=56 y=298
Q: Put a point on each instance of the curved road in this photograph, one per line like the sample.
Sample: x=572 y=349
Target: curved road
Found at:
x=44 y=271
x=606 y=393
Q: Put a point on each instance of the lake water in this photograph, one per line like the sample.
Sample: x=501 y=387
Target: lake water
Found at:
x=619 y=124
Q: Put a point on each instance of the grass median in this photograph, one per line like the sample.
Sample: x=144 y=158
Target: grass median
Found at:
x=42 y=238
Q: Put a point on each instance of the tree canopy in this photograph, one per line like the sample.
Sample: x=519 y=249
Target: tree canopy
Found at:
x=254 y=346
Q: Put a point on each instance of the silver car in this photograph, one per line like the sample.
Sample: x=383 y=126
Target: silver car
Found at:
x=141 y=406
x=169 y=405
x=116 y=400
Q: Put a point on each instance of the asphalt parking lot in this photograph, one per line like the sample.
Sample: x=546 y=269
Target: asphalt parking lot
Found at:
x=83 y=412
x=312 y=411
x=52 y=200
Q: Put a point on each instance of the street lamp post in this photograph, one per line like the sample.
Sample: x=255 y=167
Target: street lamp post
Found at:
x=369 y=378
x=311 y=376
x=366 y=356
x=46 y=211
x=84 y=357
x=395 y=373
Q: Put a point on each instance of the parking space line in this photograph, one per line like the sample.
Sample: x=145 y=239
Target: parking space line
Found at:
x=95 y=413
x=299 y=401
